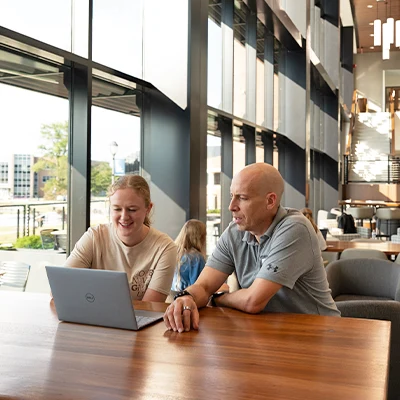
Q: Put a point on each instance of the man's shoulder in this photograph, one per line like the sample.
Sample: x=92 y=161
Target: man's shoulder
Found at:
x=293 y=216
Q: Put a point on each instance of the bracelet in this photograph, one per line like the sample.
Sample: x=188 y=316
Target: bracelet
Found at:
x=183 y=293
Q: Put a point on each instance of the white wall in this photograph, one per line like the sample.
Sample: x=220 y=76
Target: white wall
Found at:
x=369 y=74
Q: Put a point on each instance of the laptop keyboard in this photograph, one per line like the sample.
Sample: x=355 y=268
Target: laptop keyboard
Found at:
x=142 y=321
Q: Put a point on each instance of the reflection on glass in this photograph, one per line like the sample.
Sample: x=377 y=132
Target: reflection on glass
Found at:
x=239 y=60
x=115 y=140
x=33 y=161
x=214 y=59
x=239 y=150
x=117 y=35
x=46 y=20
x=213 y=183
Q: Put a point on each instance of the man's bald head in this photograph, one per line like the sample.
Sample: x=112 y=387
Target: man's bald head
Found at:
x=264 y=178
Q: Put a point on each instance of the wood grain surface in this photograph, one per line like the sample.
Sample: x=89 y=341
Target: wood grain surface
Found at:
x=389 y=248
x=232 y=356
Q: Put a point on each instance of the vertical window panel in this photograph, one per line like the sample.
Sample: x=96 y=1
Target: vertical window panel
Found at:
x=117 y=35
x=115 y=140
x=214 y=59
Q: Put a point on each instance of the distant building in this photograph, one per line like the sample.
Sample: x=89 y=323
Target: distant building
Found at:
x=19 y=181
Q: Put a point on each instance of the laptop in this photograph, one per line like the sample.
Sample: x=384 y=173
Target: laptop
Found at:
x=96 y=297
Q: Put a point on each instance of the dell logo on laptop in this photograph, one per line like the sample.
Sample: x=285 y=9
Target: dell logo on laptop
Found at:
x=89 y=297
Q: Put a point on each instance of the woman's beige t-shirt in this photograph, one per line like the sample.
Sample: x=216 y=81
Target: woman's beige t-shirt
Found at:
x=149 y=264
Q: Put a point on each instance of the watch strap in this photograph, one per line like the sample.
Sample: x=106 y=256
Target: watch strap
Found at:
x=183 y=293
x=214 y=296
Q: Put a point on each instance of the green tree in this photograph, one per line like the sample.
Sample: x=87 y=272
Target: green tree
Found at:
x=54 y=151
x=100 y=178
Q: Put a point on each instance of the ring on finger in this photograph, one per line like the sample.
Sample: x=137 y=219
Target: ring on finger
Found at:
x=187 y=308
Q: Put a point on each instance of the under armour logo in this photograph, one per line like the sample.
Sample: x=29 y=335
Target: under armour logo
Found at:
x=270 y=266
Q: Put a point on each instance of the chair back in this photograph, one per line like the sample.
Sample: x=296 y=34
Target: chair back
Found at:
x=364 y=277
x=348 y=254
x=13 y=275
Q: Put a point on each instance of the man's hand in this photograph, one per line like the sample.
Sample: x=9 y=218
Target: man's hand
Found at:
x=182 y=314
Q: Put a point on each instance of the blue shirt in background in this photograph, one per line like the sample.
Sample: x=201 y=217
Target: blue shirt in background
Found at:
x=191 y=266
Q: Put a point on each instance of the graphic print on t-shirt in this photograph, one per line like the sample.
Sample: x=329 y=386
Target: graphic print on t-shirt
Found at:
x=139 y=282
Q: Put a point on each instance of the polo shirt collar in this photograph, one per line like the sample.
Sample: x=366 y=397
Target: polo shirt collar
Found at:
x=250 y=238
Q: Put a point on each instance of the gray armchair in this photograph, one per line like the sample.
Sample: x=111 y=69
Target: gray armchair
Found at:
x=370 y=288
x=363 y=253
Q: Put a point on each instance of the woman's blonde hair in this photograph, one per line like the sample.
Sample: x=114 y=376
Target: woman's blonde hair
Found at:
x=308 y=214
x=139 y=185
x=191 y=238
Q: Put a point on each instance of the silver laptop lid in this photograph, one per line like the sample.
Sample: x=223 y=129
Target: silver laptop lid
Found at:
x=92 y=296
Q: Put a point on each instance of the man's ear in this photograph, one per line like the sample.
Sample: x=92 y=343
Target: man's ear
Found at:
x=271 y=200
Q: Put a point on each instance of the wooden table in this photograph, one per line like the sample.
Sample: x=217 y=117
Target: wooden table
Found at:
x=233 y=356
x=364 y=203
x=389 y=248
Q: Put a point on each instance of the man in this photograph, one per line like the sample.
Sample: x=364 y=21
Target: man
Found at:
x=274 y=252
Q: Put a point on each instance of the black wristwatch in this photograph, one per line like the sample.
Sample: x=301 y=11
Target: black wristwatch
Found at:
x=182 y=293
x=214 y=296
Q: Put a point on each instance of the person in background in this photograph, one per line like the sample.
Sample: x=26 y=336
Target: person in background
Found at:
x=309 y=215
x=191 y=243
x=129 y=243
x=273 y=250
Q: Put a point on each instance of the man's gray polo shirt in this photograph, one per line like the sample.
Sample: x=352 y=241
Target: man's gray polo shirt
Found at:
x=288 y=254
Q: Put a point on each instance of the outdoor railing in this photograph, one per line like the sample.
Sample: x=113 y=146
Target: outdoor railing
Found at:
x=382 y=170
x=25 y=219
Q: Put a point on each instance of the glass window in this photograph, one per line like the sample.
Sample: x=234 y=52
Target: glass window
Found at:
x=214 y=70
x=260 y=83
x=117 y=35
x=115 y=139
x=34 y=162
x=214 y=183
x=46 y=20
x=239 y=149
x=259 y=148
x=277 y=49
x=80 y=27
x=239 y=60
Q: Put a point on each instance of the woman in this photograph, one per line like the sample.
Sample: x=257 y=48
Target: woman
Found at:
x=191 y=243
x=308 y=214
x=129 y=243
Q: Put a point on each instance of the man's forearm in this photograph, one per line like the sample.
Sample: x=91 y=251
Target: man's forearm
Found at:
x=240 y=300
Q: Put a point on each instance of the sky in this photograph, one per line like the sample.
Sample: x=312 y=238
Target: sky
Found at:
x=23 y=112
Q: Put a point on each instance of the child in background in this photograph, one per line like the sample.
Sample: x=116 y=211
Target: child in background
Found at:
x=308 y=214
x=191 y=243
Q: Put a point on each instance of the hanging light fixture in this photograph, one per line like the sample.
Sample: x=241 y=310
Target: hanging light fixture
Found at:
x=377 y=29
x=385 y=33
x=397 y=33
x=390 y=22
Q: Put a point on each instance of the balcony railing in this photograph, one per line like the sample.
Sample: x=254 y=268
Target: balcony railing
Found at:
x=381 y=170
